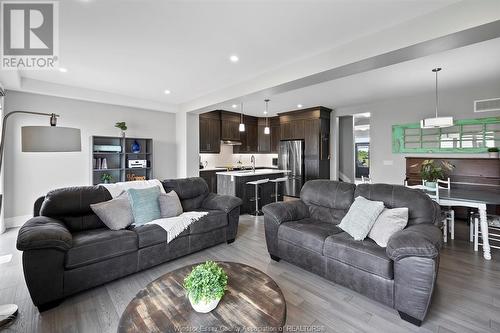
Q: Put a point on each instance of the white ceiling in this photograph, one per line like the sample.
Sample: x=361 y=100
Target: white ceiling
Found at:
x=138 y=48
x=462 y=66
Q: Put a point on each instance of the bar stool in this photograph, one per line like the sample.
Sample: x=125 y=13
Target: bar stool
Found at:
x=256 y=183
x=276 y=182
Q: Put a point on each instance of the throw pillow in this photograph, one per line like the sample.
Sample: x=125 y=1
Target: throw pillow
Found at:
x=170 y=205
x=145 y=206
x=361 y=216
x=116 y=213
x=387 y=224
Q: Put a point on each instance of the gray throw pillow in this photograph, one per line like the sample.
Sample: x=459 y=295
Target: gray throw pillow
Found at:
x=387 y=224
x=170 y=205
x=116 y=213
x=361 y=216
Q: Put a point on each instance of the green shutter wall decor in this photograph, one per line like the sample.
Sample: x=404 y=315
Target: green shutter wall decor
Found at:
x=465 y=136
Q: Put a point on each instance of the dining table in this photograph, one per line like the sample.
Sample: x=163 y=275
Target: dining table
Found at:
x=474 y=196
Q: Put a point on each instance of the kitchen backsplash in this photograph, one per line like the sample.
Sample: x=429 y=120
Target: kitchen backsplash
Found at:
x=227 y=158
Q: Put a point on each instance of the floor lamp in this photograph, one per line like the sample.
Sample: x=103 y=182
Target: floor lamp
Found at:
x=38 y=139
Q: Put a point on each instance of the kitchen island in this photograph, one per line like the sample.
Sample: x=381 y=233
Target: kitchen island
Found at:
x=235 y=183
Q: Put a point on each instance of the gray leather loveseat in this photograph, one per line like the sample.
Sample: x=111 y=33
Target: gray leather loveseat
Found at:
x=68 y=249
x=402 y=276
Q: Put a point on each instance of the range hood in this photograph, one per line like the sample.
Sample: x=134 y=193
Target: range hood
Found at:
x=230 y=142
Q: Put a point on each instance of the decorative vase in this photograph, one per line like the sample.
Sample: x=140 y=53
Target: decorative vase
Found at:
x=136 y=147
x=430 y=184
x=493 y=154
x=204 y=307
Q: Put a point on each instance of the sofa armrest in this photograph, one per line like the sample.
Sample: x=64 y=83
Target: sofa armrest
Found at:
x=43 y=232
x=421 y=240
x=221 y=202
x=282 y=212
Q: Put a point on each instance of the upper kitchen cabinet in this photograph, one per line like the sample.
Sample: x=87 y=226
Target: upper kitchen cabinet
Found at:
x=230 y=122
x=274 y=123
x=210 y=132
x=313 y=126
x=264 y=139
x=249 y=138
x=269 y=143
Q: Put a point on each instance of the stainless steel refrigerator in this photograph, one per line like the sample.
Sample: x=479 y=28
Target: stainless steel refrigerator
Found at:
x=291 y=157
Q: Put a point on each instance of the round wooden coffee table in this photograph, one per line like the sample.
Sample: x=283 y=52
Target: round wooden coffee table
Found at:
x=252 y=300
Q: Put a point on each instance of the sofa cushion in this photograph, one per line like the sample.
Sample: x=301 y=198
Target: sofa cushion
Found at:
x=170 y=205
x=145 y=204
x=365 y=255
x=99 y=244
x=72 y=206
x=361 y=217
x=307 y=233
x=116 y=213
x=420 y=206
x=149 y=234
x=214 y=220
x=327 y=200
x=191 y=191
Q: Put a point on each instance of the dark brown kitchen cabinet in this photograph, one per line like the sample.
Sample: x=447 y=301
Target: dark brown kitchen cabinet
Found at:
x=249 y=138
x=263 y=138
x=275 y=135
x=210 y=176
x=313 y=126
x=210 y=132
x=230 y=122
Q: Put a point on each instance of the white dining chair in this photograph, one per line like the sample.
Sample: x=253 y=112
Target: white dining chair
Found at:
x=366 y=180
x=493 y=230
x=448 y=215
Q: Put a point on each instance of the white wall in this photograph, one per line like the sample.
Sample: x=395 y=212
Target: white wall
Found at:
x=30 y=175
x=187 y=139
x=386 y=167
x=227 y=158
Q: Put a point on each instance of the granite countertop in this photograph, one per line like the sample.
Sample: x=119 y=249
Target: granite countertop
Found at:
x=249 y=173
x=239 y=168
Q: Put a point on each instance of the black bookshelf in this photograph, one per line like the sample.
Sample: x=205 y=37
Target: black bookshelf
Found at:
x=117 y=161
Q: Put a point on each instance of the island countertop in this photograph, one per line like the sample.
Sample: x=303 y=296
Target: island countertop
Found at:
x=250 y=173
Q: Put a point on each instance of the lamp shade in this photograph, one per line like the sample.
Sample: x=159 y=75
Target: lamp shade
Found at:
x=50 y=139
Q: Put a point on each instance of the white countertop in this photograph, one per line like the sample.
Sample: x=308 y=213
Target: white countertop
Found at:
x=249 y=173
x=212 y=169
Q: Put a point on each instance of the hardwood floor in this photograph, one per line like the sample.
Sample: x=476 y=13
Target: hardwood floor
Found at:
x=467 y=298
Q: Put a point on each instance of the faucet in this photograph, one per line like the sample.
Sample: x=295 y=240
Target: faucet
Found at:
x=252 y=160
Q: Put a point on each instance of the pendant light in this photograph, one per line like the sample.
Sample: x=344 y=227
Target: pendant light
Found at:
x=436 y=122
x=242 y=124
x=266 y=129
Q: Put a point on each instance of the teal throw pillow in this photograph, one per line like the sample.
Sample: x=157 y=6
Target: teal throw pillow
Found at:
x=145 y=206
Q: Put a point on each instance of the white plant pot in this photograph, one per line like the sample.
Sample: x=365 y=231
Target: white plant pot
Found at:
x=493 y=154
x=204 y=307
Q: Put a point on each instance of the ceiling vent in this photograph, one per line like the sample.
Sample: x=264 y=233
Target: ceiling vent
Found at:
x=487 y=105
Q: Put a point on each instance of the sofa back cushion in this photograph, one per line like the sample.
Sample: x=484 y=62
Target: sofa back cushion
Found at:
x=191 y=191
x=72 y=206
x=420 y=207
x=327 y=200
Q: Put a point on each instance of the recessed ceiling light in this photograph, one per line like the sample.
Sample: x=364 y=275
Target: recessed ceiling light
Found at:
x=234 y=58
x=63 y=70
x=234 y=106
x=299 y=105
x=167 y=92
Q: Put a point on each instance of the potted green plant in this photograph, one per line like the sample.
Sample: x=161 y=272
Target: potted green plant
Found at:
x=430 y=173
x=122 y=126
x=493 y=152
x=106 y=178
x=205 y=286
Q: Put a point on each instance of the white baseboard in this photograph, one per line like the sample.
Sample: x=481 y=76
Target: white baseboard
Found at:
x=16 y=221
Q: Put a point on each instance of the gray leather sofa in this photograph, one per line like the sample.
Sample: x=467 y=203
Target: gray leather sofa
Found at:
x=402 y=276
x=68 y=249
